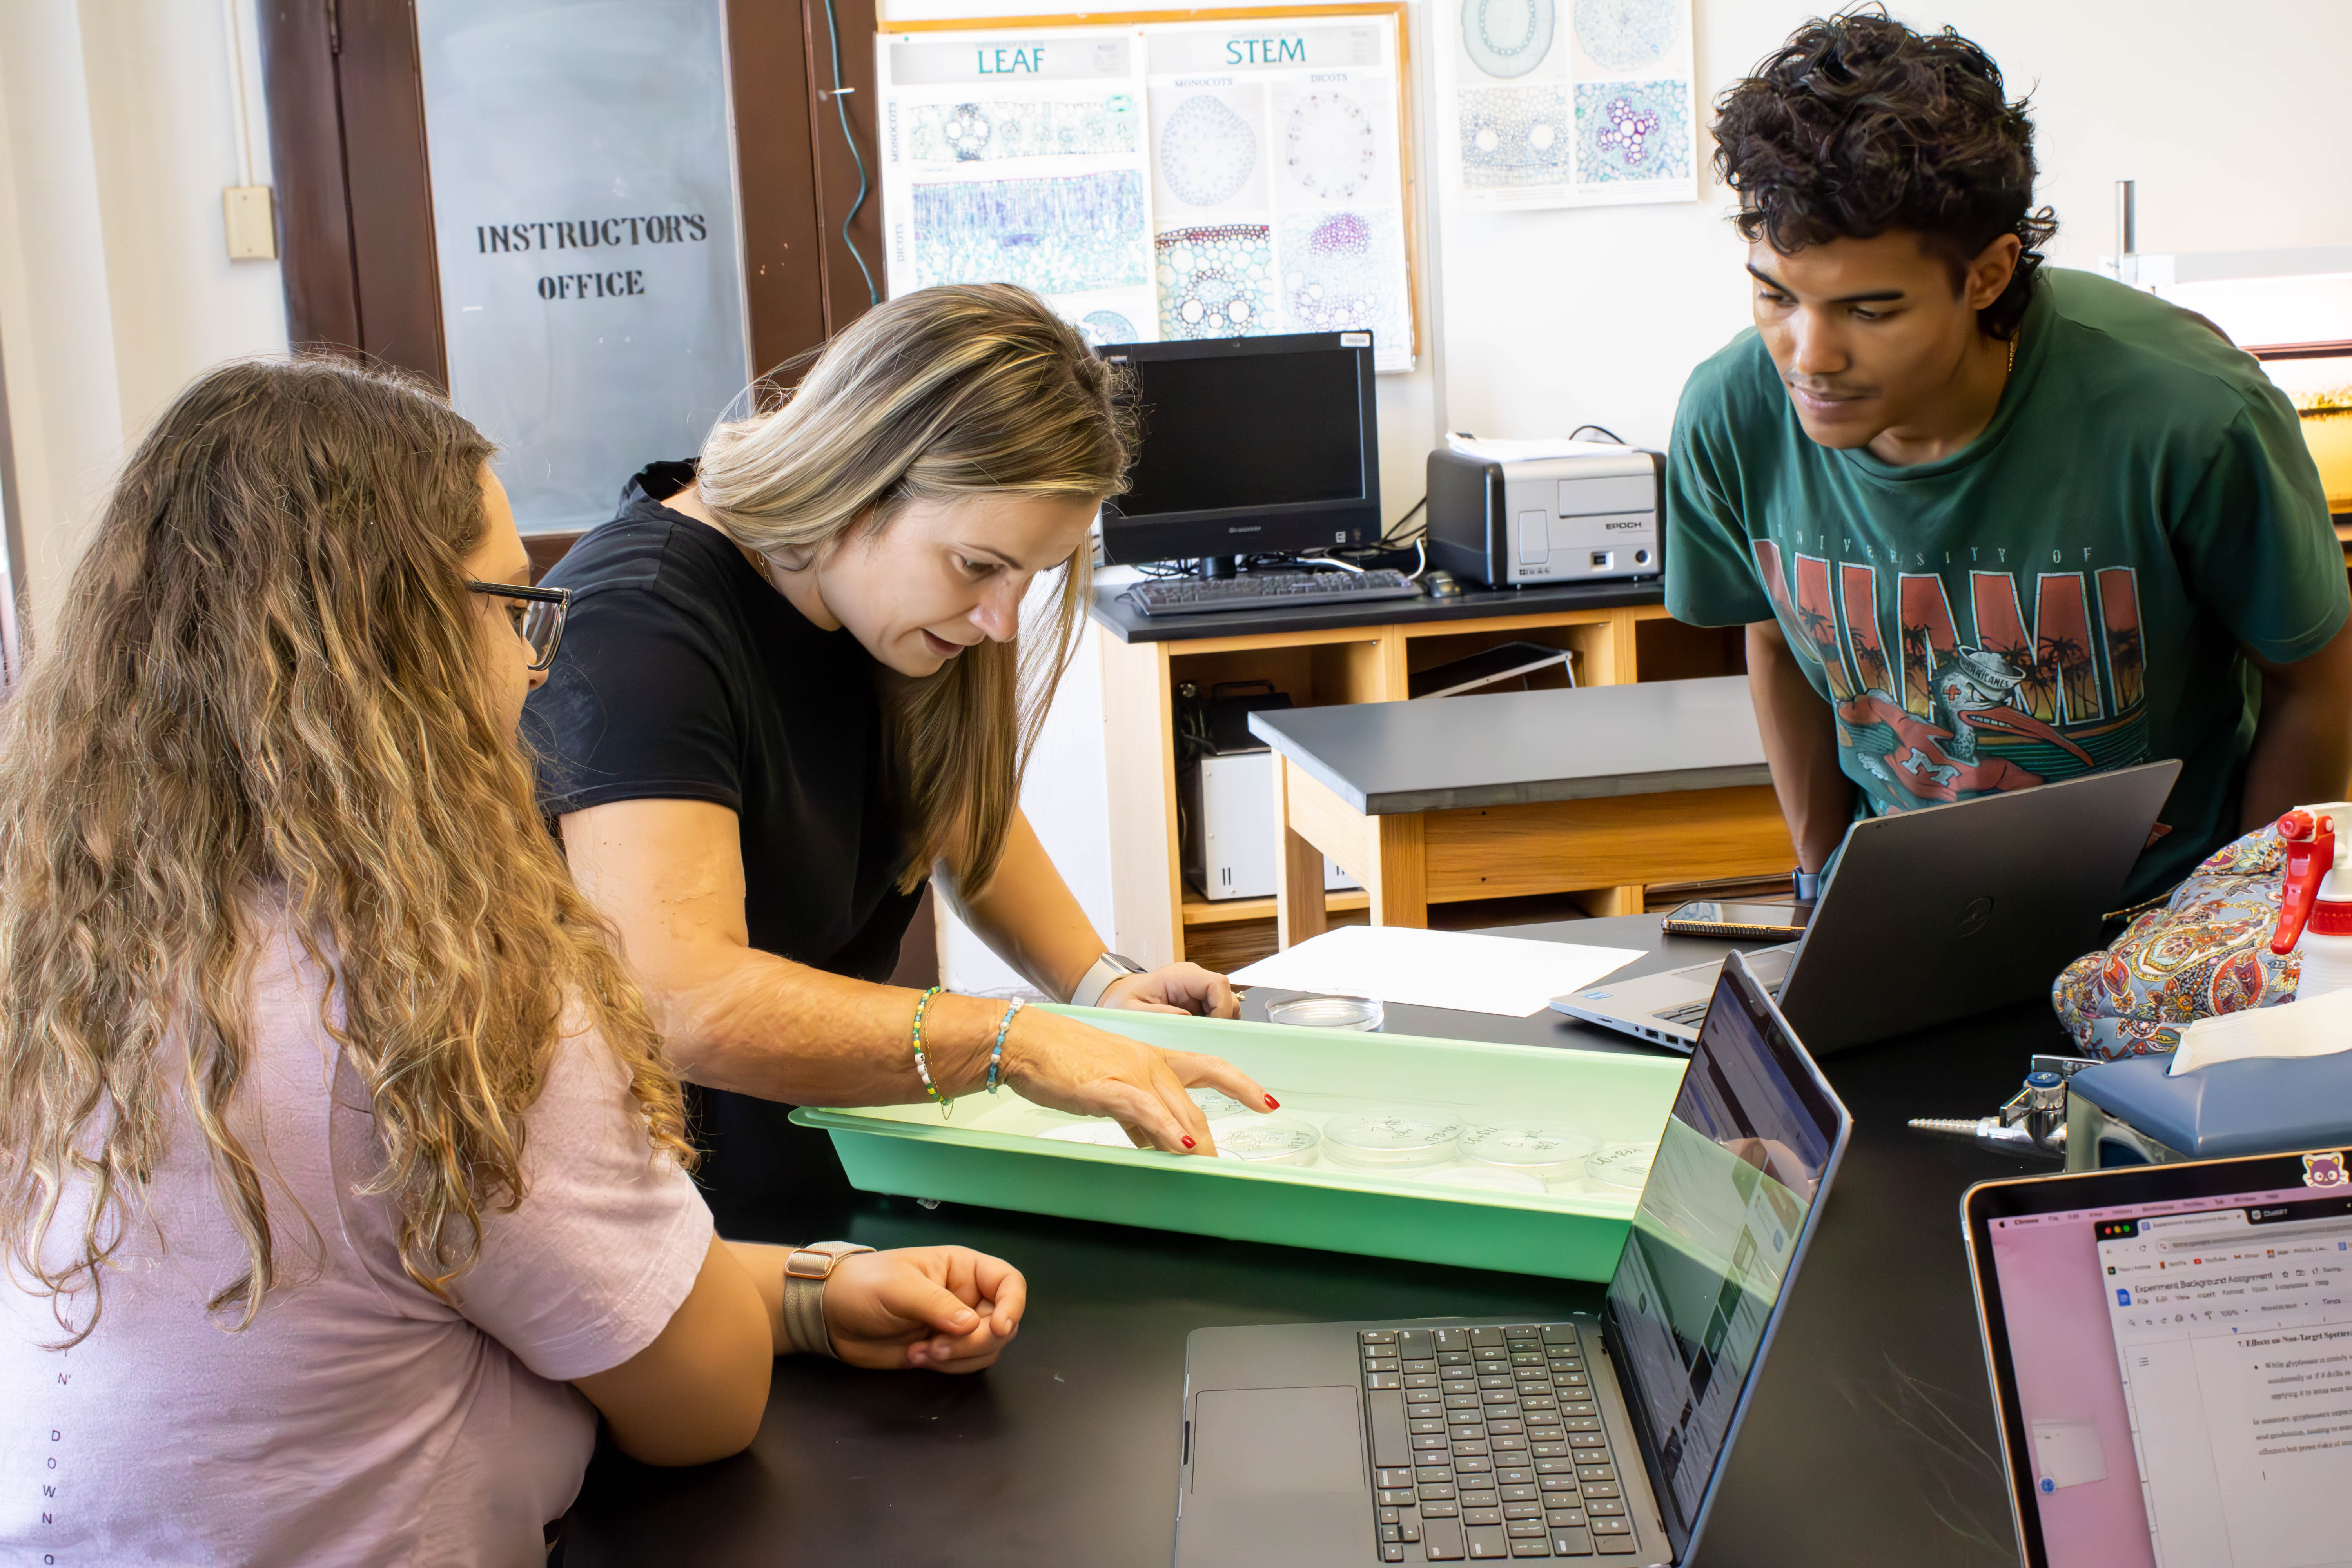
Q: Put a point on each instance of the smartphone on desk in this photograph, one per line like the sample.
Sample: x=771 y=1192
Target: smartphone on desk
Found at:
x=1739 y=922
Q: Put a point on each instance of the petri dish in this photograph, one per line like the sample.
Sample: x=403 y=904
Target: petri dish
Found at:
x=1104 y=1135
x=1216 y=1103
x=1334 y=1012
x=1392 y=1137
x=1622 y=1168
x=1551 y=1151
x=1265 y=1140
x=1491 y=1178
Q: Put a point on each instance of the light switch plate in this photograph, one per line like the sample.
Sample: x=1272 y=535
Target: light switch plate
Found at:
x=252 y=222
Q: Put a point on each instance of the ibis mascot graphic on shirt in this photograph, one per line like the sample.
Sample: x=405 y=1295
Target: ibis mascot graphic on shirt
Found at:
x=1972 y=699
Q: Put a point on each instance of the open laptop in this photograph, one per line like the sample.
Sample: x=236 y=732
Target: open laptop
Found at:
x=2171 y=1349
x=1596 y=1440
x=1934 y=914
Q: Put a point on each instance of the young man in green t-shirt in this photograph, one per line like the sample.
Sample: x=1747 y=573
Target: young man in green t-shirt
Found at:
x=1988 y=525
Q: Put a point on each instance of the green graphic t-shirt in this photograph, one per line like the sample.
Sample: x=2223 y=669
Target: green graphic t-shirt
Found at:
x=2068 y=594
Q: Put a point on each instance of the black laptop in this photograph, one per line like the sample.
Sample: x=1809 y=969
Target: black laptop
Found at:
x=1934 y=914
x=2171 y=1349
x=1589 y=1440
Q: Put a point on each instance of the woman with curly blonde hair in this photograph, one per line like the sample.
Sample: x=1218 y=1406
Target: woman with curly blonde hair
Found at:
x=334 y=1141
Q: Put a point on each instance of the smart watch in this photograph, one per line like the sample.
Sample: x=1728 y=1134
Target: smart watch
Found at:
x=805 y=1271
x=1107 y=969
x=1806 y=885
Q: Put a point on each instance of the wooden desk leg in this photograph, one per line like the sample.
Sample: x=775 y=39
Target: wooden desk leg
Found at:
x=1400 y=880
x=1600 y=903
x=1298 y=908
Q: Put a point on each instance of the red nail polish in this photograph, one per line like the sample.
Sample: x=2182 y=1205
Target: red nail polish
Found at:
x=1188 y=1143
x=1272 y=1103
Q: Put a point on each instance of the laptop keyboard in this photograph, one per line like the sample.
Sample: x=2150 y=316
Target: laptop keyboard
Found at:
x=1691 y=1015
x=1486 y=1444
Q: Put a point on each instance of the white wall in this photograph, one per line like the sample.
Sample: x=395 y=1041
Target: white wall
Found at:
x=118 y=133
x=2227 y=117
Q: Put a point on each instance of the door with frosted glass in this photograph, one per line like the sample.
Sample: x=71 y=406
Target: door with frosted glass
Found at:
x=593 y=220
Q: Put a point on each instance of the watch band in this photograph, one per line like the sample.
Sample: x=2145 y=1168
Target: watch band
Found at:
x=1805 y=885
x=806 y=1268
x=1107 y=969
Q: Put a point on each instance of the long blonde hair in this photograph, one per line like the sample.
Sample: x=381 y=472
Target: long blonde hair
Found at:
x=949 y=392
x=266 y=686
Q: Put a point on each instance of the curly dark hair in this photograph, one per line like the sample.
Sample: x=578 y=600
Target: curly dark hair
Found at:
x=1858 y=125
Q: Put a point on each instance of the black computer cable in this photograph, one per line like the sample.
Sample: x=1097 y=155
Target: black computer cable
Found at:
x=840 y=95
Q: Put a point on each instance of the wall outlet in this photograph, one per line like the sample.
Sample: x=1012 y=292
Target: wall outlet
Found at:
x=251 y=218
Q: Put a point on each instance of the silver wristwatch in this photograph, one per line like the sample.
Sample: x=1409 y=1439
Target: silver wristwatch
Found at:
x=805 y=1271
x=1106 y=969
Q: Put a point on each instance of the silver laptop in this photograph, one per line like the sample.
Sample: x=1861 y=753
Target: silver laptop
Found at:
x=1596 y=1440
x=2167 y=1349
x=1934 y=914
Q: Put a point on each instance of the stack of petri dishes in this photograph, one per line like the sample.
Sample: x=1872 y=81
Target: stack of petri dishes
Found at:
x=1552 y=1153
x=1359 y=1013
x=1392 y=1138
x=1620 y=1169
x=1265 y=1140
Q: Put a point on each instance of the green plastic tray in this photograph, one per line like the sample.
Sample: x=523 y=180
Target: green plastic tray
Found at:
x=987 y=1152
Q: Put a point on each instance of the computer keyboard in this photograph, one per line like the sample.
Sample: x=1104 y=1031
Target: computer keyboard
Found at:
x=1691 y=1015
x=1486 y=1444
x=1259 y=590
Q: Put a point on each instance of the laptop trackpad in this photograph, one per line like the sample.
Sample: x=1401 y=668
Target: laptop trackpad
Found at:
x=1261 y=1440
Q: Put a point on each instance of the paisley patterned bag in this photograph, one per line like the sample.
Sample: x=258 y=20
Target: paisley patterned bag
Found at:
x=2205 y=950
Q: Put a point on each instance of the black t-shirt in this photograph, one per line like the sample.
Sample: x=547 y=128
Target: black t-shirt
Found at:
x=685 y=675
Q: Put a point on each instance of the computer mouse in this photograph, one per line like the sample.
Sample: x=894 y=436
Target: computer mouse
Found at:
x=1440 y=584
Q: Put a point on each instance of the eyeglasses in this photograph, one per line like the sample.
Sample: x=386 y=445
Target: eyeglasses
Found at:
x=537 y=613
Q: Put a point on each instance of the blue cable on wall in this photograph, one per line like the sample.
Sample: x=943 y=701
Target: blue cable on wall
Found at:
x=833 y=32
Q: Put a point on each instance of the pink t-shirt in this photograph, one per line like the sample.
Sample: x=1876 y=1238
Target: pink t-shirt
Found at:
x=358 y=1419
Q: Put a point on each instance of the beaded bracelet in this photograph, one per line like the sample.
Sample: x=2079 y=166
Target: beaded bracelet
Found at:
x=922 y=1063
x=997 y=1057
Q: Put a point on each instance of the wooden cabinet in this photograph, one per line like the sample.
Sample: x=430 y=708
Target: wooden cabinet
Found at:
x=1159 y=919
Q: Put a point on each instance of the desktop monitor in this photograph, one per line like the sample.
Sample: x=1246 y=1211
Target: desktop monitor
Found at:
x=1249 y=445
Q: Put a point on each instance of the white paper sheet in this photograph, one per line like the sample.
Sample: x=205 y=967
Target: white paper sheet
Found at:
x=1453 y=969
x=1528 y=451
x=2319 y=1027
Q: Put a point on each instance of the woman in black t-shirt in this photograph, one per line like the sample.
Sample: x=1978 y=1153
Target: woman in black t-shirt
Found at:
x=795 y=683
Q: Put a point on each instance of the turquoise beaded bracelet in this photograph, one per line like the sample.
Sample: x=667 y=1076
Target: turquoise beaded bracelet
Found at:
x=922 y=1063
x=997 y=1057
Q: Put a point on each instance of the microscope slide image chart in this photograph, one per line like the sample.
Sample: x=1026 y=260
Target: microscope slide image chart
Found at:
x=1278 y=190
x=1023 y=158
x=1567 y=102
x=1172 y=179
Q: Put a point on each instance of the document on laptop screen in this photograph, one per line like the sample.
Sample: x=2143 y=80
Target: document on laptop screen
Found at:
x=2184 y=1374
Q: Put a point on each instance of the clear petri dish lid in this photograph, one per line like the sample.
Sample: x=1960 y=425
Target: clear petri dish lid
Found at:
x=1539 y=1148
x=1621 y=1167
x=1216 y=1103
x=1265 y=1140
x=1335 y=1012
x=1104 y=1135
x=1489 y=1178
x=1393 y=1135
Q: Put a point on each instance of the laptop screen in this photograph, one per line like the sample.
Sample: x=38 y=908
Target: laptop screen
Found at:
x=2177 y=1376
x=1751 y=1143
